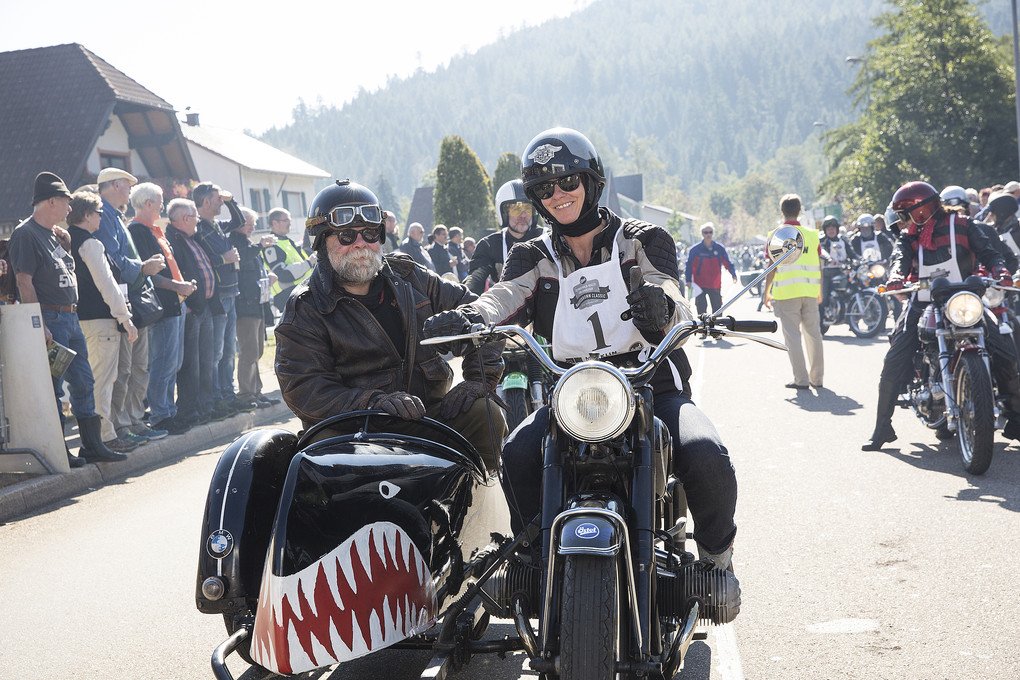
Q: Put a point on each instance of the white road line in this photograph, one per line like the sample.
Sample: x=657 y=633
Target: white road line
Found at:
x=727 y=656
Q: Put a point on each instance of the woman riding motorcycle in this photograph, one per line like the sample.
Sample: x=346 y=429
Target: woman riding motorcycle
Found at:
x=934 y=243
x=572 y=284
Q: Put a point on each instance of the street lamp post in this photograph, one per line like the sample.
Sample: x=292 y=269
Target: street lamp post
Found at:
x=863 y=61
x=820 y=126
x=1016 y=75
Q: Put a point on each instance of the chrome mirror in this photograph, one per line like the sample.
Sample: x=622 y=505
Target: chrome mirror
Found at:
x=783 y=240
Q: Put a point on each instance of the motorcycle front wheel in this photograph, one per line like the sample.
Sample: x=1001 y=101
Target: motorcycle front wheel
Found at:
x=976 y=430
x=589 y=618
x=829 y=314
x=517 y=407
x=866 y=314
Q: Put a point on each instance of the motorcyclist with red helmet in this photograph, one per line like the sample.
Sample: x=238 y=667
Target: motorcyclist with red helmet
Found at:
x=935 y=243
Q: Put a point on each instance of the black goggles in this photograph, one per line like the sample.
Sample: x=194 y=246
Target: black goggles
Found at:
x=349 y=236
x=956 y=201
x=545 y=190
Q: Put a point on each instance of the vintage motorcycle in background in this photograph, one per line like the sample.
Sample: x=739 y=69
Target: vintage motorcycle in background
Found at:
x=358 y=536
x=852 y=300
x=952 y=391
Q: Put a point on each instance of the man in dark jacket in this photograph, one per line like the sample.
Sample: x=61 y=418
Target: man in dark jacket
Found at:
x=438 y=251
x=349 y=338
x=252 y=304
x=195 y=379
x=412 y=245
x=518 y=223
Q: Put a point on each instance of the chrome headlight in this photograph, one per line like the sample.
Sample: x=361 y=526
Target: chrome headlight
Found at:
x=593 y=401
x=993 y=297
x=877 y=271
x=862 y=273
x=965 y=309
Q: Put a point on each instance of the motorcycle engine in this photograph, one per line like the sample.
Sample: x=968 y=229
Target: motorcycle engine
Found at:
x=717 y=590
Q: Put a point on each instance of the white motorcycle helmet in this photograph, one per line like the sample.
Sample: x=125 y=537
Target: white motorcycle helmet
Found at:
x=955 y=196
x=512 y=192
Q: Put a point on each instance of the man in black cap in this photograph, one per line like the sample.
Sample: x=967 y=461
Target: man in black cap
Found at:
x=44 y=269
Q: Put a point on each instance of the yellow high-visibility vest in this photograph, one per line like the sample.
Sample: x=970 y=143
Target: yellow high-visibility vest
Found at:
x=290 y=256
x=801 y=277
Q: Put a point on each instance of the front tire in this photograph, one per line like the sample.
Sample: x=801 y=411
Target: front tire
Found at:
x=976 y=429
x=517 y=407
x=589 y=618
x=866 y=314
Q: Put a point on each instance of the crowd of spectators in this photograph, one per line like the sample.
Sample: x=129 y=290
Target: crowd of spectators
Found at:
x=160 y=312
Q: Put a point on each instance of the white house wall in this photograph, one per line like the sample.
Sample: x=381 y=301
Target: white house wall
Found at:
x=215 y=168
x=115 y=139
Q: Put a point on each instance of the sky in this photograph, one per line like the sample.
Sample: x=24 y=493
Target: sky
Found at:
x=244 y=65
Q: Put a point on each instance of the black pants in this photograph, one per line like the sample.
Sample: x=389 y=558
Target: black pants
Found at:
x=898 y=367
x=713 y=295
x=700 y=462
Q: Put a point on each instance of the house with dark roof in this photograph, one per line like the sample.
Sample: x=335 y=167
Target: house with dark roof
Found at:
x=66 y=110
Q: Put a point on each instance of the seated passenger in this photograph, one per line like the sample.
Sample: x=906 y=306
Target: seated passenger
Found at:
x=349 y=337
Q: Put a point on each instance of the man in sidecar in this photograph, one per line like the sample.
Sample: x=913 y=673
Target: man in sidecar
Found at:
x=572 y=284
x=349 y=337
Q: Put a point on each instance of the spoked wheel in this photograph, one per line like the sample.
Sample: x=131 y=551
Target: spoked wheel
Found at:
x=976 y=429
x=589 y=618
x=830 y=314
x=517 y=407
x=866 y=314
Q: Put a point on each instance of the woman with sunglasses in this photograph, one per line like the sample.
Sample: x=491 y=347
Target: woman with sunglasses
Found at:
x=573 y=286
x=935 y=243
x=349 y=337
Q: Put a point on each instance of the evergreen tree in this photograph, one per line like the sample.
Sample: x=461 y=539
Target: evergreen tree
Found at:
x=508 y=168
x=463 y=196
x=939 y=107
x=387 y=200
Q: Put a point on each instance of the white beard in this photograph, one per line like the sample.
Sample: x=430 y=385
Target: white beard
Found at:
x=357 y=266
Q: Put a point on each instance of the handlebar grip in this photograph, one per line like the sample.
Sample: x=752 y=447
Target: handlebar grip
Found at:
x=750 y=326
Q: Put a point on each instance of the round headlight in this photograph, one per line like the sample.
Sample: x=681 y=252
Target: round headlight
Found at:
x=993 y=297
x=593 y=401
x=965 y=309
x=877 y=271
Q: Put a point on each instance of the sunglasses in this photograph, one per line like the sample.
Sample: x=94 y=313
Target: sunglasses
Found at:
x=349 y=236
x=545 y=190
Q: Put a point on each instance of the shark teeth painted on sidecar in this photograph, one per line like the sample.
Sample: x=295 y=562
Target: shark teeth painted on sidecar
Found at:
x=370 y=592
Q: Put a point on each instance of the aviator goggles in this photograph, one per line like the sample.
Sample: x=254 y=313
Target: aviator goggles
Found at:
x=517 y=209
x=343 y=215
x=545 y=190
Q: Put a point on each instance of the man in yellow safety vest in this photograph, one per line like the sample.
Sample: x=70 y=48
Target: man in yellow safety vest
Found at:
x=286 y=259
x=794 y=291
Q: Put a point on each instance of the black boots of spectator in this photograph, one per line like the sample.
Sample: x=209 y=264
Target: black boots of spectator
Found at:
x=92 y=447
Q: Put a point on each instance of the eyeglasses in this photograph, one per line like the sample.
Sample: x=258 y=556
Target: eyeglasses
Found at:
x=349 y=236
x=545 y=190
x=516 y=209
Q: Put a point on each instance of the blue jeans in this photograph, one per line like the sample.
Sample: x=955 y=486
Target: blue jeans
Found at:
x=700 y=462
x=165 y=354
x=195 y=379
x=66 y=330
x=225 y=338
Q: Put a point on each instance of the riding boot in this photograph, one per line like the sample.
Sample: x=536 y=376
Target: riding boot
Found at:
x=74 y=461
x=884 y=432
x=92 y=447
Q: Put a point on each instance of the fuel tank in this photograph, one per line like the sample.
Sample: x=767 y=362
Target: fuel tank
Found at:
x=373 y=534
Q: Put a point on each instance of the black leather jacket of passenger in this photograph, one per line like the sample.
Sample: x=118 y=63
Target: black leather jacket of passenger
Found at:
x=332 y=355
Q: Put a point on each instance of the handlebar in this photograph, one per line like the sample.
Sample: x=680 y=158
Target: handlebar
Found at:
x=748 y=325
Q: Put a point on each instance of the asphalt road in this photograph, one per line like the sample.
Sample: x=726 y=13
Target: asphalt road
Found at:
x=853 y=565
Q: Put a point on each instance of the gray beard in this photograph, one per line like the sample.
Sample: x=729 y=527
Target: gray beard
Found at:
x=355 y=266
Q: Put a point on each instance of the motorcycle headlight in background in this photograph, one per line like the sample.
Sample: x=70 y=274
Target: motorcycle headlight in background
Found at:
x=965 y=309
x=593 y=402
x=877 y=270
x=993 y=297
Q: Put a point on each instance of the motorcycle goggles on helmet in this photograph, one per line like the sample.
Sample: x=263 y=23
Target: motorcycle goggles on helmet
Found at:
x=349 y=236
x=342 y=215
x=517 y=209
x=545 y=190
x=906 y=214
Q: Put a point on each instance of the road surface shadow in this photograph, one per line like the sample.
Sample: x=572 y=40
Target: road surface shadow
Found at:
x=854 y=340
x=824 y=400
x=999 y=485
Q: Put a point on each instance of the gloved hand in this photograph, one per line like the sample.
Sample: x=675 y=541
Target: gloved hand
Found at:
x=650 y=307
x=401 y=405
x=894 y=284
x=453 y=322
x=1004 y=277
x=459 y=399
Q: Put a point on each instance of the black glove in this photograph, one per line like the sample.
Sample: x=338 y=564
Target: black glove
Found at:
x=401 y=405
x=650 y=307
x=453 y=322
x=459 y=399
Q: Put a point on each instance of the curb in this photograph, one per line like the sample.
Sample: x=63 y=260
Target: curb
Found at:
x=33 y=494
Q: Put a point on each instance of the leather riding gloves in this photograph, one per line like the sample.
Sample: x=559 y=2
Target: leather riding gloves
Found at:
x=401 y=405
x=459 y=399
x=651 y=307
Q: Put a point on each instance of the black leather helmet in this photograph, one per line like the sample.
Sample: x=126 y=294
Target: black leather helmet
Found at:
x=830 y=221
x=560 y=152
x=341 y=193
x=1002 y=205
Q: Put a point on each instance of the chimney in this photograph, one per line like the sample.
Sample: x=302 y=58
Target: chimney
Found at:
x=191 y=119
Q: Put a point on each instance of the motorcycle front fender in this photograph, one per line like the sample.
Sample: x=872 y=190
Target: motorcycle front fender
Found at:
x=589 y=535
x=515 y=380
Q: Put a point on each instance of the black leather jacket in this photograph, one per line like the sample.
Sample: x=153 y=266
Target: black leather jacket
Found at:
x=333 y=356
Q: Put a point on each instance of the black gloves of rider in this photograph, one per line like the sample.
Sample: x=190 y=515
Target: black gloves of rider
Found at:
x=459 y=399
x=453 y=322
x=651 y=307
x=401 y=405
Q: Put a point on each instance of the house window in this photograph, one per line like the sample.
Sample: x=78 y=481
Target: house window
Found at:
x=256 y=200
x=294 y=201
x=113 y=159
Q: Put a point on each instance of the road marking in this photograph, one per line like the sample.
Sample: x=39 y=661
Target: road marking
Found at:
x=728 y=656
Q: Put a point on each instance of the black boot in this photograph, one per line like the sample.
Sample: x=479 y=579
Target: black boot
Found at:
x=884 y=432
x=74 y=461
x=92 y=446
